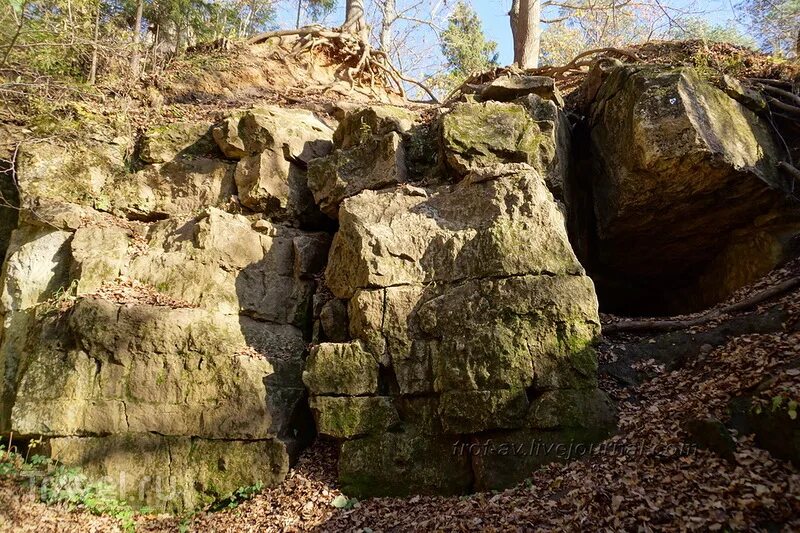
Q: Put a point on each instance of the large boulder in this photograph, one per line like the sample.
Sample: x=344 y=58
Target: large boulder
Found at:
x=469 y=315
x=530 y=130
x=685 y=179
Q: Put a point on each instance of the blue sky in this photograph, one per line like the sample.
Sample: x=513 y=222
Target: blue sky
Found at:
x=493 y=14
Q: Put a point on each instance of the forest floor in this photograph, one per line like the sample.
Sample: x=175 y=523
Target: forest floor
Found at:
x=648 y=477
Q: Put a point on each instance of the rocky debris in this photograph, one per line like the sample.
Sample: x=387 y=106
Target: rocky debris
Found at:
x=751 y=99
x=669 y=150
x=711 y=434
x=63 y=182
x=294 y=133
x=177 y=140
x=370 y=155
x=511 y=87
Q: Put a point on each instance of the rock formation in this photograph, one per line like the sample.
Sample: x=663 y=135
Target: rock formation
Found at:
x=165 y=356
x=688 y=202
x=183 y=311
x=470 y=318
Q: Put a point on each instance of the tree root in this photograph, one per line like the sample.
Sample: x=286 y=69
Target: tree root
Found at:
x=361 y=64
x=780 y=93
x=579 y=65
x=671 y=325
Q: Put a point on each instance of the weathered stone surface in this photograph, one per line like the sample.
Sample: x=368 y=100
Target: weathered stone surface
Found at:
x=533 y=130
x=502 y=227
x=584 y=408
x=99 y=254
x=295 y=134
x=672 y=151
x=334 y=320
x=476 y=411
x=465 y=301
x=347 y=417
x=341 y=369
x=505 y=458
x=749 y=98
x=711 y=434
x=274 y=147
x=162 y=144
x=36 y=266
x=775 y=428
x=515 y=332
x=357 y=126
x=510 y=87
x=374 y=163
x=138 y=369
x=220 y=262
x=95 y=175
x=400 y=464
x=174 y=473
x=480 y=135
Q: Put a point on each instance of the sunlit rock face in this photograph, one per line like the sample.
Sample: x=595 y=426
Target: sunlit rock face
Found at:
x=687 y=202
x=184 y=310
x=157 y=305
x=470 y=319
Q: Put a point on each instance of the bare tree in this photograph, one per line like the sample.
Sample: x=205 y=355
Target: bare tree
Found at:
x=389 y=8
x=355 y=22
x=137 y=39
x=526 y=20
x=93 y=68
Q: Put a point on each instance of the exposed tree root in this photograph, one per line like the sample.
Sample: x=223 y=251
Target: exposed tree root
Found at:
x=580 y=64
x=632 y=326
x=780 y=93
x=361 y=64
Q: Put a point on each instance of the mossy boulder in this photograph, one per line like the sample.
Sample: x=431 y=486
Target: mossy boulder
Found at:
x=174 y=474
x=341 y=369
x=376 y=162
x=467 y=308
x=401 y=464
x=344 y=417
x=161 y=144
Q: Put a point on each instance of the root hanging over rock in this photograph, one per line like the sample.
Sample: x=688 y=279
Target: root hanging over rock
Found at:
x=580 y=64
x=361 y=64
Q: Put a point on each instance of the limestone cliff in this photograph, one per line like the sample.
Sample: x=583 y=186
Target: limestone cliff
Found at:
x=184 y=310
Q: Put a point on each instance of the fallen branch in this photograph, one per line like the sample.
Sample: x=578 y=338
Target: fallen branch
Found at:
x=671 y=325
x=767 y=81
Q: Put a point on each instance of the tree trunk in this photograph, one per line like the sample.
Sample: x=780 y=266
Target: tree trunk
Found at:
x=389 y=16
x=797 y=45
x=20 y=23
x=355 y=22
x=299 y=12
x=93 y=68
x=528 y=34
x=137 y=39
x=515 y=36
